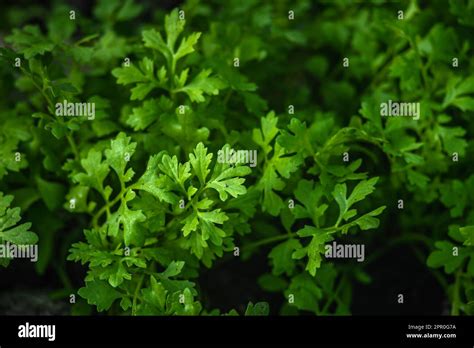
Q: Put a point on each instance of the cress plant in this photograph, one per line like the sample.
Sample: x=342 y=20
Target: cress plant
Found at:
x=141 y=194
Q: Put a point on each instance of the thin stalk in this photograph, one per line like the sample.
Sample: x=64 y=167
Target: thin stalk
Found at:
x=456 y=298
x=104 y=208
x=400 y=240
x=334 y=296
x=135 y=295
x=268 y=240
x=50 y=103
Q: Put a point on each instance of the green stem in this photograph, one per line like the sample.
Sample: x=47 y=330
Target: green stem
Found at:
x=50 y=103
x=107 y=206
x=73 y=146
x=135 y=295
x=333 y=296
x=86 y=39
x=273 y=239
x=107 y=209
x=41 y=90
x=423 y=69
x=436 y=274
x=456 y=298
x=401 y=240
x=227 y=96
x=268 y=240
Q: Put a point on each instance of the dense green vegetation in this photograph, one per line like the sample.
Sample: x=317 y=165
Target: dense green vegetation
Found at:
x=142 y=189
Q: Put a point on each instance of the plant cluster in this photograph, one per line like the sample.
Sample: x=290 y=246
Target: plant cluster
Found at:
x=137 y=194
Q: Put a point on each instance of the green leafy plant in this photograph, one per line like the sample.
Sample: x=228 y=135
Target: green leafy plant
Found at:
x=140 y=196
x=9 y=230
